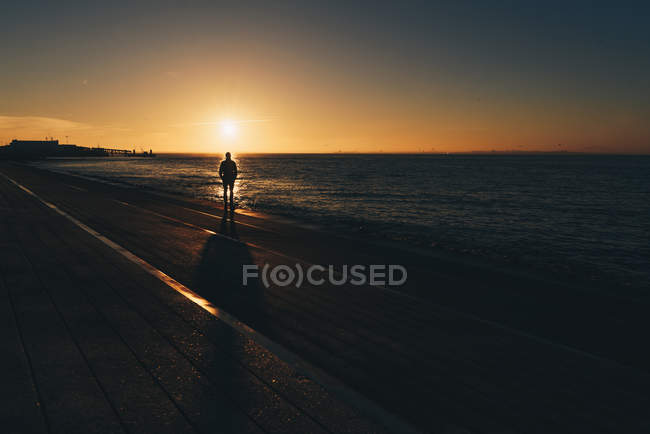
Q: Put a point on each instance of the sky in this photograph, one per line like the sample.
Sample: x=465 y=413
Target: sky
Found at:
x=332 y=76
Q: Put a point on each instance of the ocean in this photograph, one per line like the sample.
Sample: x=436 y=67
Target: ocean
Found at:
x=578 y=216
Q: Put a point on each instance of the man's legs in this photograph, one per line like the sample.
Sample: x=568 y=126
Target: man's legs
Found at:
x=231 y=191
x=226 y=187
x=225 y=195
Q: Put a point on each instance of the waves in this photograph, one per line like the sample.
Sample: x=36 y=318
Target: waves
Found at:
x=583 y=216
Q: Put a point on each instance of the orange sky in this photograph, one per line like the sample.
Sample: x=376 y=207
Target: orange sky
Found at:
x=311 y=87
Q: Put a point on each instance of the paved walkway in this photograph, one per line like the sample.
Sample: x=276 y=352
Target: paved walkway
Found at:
x=464 y=349
x=92 y=343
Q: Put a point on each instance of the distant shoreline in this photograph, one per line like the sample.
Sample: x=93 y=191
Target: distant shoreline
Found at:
x=481 y=153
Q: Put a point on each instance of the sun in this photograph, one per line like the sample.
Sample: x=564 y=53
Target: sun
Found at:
x=228 y=128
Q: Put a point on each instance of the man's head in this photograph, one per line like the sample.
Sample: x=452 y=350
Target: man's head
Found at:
x=227 y=155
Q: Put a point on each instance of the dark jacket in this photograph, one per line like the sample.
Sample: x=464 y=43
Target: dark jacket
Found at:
x=228 y=171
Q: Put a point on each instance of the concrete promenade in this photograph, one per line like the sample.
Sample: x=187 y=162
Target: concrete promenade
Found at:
x=95 y=343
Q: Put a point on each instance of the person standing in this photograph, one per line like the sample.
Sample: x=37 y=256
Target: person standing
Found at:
x=228 y=174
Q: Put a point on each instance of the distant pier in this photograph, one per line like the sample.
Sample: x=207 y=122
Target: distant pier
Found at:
x=36 y=149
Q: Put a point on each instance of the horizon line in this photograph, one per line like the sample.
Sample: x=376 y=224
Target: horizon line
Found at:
x=416 y=153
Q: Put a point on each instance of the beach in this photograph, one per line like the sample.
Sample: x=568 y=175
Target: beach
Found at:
x=464 y=344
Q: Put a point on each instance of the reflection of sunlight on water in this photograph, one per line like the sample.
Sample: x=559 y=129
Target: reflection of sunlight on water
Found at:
x=216 y=191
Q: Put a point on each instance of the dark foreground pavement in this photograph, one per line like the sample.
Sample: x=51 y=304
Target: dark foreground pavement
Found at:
x=91 y=343
x=96 y=344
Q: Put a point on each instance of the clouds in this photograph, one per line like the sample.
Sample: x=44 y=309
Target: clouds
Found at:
x=219 y=122
x=39 y=123
x=34 y=127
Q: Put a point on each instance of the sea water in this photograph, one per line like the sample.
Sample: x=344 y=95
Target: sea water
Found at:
x=579 y=215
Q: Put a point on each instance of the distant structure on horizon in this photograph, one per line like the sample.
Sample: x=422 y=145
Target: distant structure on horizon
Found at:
x=35 y=149
x=43 y=147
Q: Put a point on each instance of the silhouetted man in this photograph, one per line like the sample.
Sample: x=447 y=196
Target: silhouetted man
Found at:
x=228 y=174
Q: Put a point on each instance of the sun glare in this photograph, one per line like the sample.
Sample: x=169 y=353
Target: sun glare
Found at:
x=228 y=129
